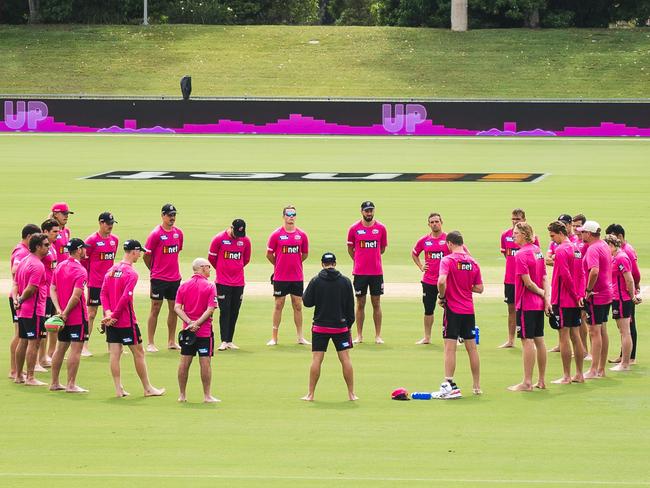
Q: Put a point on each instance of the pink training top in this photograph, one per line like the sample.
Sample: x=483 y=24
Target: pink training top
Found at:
x=621 y=264
x=31 y=271
x=196 y=295
x=565 y=285
x=367 y=243
x=529 y=260
x=509 y=249
x=553 y=246
x=599 y=256
x=462 y=273
x=288 y=248
x=100 y=256
x=117 y=294
x=164 y=247
x=68 y=276
x=50 y=261
x=59 y=245
x=17 y=255
x=634 y=260
x=435 y=248
x=229 y=255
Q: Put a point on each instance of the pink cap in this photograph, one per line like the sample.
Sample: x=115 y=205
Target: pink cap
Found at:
x=61 y=207
x=400 y=394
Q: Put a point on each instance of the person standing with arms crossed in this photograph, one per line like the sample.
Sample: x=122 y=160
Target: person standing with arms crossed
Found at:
x=367 y=241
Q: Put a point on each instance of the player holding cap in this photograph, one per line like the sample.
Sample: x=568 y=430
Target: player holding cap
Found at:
x=434 y=246
x=597 y=266
x=367 y=241
x=120 y=322
x=29 y=303
x=230 y=252
x=331 y=294
x=67 y=292
x=100 y=256
x=52 y=229
x=460 y=276
x=578 y=221
x=532 y=300
x=287 y=248
x=20 y=251
x=195 y=303
x=163 y=247
x=61 y=212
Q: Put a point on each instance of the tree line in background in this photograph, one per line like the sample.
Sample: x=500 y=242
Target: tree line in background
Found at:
x=405 y=13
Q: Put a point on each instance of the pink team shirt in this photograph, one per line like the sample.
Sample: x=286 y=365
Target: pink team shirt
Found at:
x=567 y=276
x=621 y=264
x=31 y=271
x=117 y=294
x=529 y=260
x=634 y=260
x=462 y=273
x=552 y=246
x=229 y=255
x=59 y=245
x=164 y=247
x=509 y=249
x=599 y=256
x=100 y=257
x=367 y=243
x=68 y=276
x=196 y=295
x=434 y=248
x=50 y=261
x=20 y=252
x=288 y=248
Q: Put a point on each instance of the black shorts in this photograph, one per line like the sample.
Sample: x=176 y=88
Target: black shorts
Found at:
x=31 y=328
x=508 y=293
x=458 y=325
x=565 y=317
x=429 y=297
x=73 y=333
x=164 y=290
x=530 y=324
x=320 y=341
x=622 y=309
x=596 y=314
x=363 y=282
x=284 y=288
x=94 y=296
x=14 y=317
x=127 y=336
x=203 y=346
x=49 y=308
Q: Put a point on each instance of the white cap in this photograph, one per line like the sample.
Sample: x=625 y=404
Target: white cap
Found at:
x=590 y=226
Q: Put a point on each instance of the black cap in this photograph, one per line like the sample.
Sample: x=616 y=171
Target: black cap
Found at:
x=168 y=209
x=239 y=228
x=566 y=218
x=367 y=205
x=75 y=243
x=133 y=245
x=107 y=217
x=328 y=258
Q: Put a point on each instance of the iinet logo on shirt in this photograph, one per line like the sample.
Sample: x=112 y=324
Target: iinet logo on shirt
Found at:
x=232 y=255
x=511 y=252
x=464 y=266
x=117 y=273
x=170 y=249
x=368 y=244
x=290 y=249
x=106 y=256
x=434 y=255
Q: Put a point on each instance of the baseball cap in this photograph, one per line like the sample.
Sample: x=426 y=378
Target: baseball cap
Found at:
x=566 y=218
x=328 y=257
x=367 y=205
x=239 y=228
x=107 y=217
x=61 y=207
x=590 y=226
x=186 y=337
x=168 y=209
x=400 y=394
x=133 y=245
x=75 y=243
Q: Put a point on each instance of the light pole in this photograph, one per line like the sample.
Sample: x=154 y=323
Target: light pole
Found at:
x=145 y=17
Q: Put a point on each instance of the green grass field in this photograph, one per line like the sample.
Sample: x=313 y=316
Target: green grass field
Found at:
x=346 y=61
x=261 y=434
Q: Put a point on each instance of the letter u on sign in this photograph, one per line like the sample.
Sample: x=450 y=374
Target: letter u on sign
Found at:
x=413 y=115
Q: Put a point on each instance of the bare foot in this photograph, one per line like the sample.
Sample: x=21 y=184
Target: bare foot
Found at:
x=588 y=357
x=76 y=389
x=477 y=391
x=565 y=380
x=578 y=378
x=554 y=349
x=590 y=375
x=600 y=373
x=154 y=392
x=38 y=368
x=57 y=387
x=506 y=345
x=308 y=398
x=211 y=399
x=34 y=382
x=358 y=340
x=379 y=340
x=620 y=367
x=352 y=397
x=182 y=398
x=540 y=385
x=304 y=342
x=424 y=340
x=173 y=346
x=19 y=379
x=232 y=346
x=86 y=353
x=272 y=342
x=152 y=348
x=520 y=387
x=11 y=375
x=122 y=393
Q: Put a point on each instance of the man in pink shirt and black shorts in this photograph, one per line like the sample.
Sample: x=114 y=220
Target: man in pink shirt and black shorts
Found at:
x=287 y=248
x=367 y=241
x=52 y=229
x=163 y=247
x=61 y=212
x=196 y=301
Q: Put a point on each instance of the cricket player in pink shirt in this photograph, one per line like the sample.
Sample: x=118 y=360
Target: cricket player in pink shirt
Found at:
x=459 y=278
x=287 y=249
x=120 y=322
x=367 y=241
x=20 y=251
x=532 y=301
x=163 y=247
x=29 y=303
x=52 y=229
x=67 y=292
x=100 y=256
x=196 y=301
x=578 y=221
x=60 y=212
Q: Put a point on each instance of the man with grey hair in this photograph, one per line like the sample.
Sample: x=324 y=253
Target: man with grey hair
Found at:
x=196 y=301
